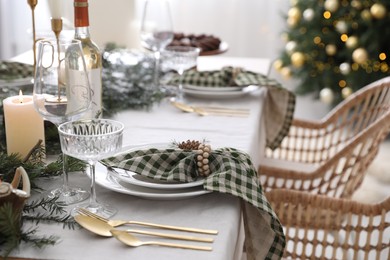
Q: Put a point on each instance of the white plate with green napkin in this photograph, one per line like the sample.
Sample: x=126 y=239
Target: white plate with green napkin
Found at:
x=143 y=181
x=108 y=181
x=216 y=94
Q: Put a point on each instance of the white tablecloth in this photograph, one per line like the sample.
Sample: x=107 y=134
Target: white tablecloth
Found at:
x=164 y=124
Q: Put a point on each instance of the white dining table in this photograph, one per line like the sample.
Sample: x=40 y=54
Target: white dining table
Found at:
x=165 y=124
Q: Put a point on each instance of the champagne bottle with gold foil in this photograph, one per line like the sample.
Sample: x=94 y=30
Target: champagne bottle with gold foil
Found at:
x=92 y=55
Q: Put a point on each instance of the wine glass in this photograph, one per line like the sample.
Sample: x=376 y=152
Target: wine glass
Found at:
x=180 y=59
x=156 y=31
x=92 y=140
x=62 y=93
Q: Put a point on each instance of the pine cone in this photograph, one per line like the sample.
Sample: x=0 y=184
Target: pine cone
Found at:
x=189 y=145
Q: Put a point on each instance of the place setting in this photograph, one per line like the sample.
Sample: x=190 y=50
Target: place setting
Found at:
x=226 y=83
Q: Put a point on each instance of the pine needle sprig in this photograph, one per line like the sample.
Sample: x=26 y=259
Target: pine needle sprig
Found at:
x=54 y=212
x=67 y=221
x=38 y=241
x=10 y=228
x=51 y=205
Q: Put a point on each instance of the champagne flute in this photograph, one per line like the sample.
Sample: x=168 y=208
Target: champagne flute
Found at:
x=62 y=93
x=180 y=59
x=156 y=31
x=92 y=140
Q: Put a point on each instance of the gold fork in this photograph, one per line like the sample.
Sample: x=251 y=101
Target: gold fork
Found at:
x=131 y=240
x=116 y=223
x=206 y=110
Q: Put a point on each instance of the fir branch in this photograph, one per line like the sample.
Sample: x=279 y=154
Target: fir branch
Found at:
x=54 y=211
x=67 y=220
x=38 y=242
x=10 y=228
x=51 y=205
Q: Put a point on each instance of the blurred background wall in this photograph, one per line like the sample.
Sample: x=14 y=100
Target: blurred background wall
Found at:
x=251 y=27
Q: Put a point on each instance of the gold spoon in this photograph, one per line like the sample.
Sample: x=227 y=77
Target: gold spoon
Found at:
x=103 y=229
x=118 y=222
x=131 y=240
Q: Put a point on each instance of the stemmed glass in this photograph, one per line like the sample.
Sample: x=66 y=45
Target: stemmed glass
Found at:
x=156 y=31
x=91 y=141
x=180 y=59
x=62 y=93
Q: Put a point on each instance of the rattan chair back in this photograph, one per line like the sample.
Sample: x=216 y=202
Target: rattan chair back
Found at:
x=339 y=148
x=321 y=227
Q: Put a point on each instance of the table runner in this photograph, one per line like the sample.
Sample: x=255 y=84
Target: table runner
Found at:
x=232 y=172
x=279 y=105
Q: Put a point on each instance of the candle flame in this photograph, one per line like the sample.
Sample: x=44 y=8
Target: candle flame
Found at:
x=20 y=96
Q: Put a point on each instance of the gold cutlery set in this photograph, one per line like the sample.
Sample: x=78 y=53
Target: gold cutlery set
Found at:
x=106 y=227
x=210 y=110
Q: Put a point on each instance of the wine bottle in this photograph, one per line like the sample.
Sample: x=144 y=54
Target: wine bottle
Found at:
x=92 y=56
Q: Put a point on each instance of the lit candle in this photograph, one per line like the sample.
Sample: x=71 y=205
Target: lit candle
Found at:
x=23 y=125
x=55 y=8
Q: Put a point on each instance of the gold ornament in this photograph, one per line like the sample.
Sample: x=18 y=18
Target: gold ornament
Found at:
x=356 y=4
x=366 y=15
x=378 y=11
x=346 y=92
x=297 y=59
x=330 y=49
x=285 y=72
x=326 y=96
x=291 y=22
x=331 y=5
x=278 y=65
x=351 y=42
x=294 y=13
x=360 y=55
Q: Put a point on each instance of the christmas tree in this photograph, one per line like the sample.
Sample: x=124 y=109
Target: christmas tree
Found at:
x=335 y=47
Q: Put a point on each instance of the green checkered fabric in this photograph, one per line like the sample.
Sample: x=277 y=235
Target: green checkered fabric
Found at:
x=279 y=106
x=15 y=70
x=232 y=173
x=227 y=76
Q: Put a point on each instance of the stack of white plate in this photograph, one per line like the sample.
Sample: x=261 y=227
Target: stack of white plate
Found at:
x=131 y=183
x=218 y=92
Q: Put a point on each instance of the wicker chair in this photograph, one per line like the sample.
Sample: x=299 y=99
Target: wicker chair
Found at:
x=331 y=156
x=321 y=227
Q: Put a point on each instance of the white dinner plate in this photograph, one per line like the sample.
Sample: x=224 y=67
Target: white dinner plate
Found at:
x=106 y=180
x=143 y=181
x=215 y=89
x=220 y=94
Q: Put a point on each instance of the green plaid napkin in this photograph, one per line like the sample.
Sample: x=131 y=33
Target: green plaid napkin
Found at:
x=232 y=173
x=278 y=108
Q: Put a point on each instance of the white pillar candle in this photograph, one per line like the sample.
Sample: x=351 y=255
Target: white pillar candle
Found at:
x=55 y=7
x=23 y=125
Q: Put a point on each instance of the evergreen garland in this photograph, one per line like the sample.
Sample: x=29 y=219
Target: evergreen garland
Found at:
x=127 y=79
x=338 y=45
